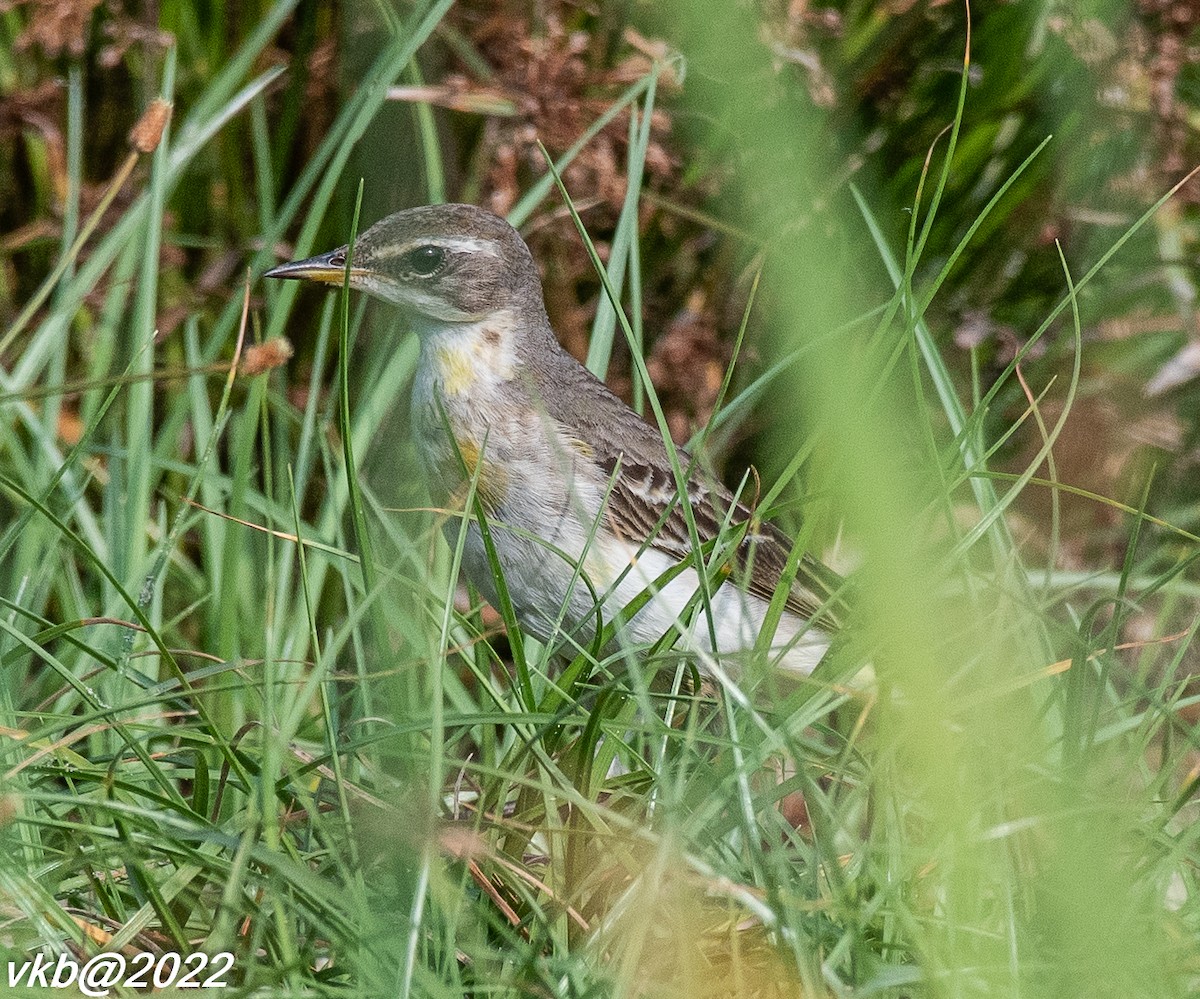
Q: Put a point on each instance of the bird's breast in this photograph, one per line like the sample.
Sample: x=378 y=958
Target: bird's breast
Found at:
x=458 y=451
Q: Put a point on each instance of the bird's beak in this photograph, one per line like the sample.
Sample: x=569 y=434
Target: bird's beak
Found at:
x=326 y=268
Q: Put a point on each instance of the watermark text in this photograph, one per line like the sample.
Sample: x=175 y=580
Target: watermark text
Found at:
x=104 y=972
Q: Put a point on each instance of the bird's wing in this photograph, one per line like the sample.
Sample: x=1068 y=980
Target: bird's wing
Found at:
x=630 y=453
x=644 y=503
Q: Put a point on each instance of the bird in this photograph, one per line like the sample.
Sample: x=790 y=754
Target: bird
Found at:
x=574 y=492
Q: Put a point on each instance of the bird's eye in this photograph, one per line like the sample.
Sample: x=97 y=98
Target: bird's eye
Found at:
x=424 y=260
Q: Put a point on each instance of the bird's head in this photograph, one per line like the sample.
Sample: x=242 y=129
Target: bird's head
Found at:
x=442 y=263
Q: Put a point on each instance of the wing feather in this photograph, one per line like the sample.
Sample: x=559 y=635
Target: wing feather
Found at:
x=643 y=499
x=643 y=503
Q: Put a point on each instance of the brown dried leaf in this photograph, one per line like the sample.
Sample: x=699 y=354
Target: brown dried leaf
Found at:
x=57 y=27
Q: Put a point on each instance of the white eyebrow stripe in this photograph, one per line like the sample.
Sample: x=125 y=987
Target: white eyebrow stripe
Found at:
x=465 y=244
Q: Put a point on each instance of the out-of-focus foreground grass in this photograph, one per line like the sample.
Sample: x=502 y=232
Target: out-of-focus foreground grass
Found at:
x=221 y=731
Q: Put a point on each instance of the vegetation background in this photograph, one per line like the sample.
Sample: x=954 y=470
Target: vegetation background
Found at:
x=245 y=707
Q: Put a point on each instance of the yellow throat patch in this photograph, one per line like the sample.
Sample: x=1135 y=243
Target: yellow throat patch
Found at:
x=483 y=355
x=457 y=369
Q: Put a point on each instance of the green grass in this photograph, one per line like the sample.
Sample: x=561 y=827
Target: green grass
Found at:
x=220 y=729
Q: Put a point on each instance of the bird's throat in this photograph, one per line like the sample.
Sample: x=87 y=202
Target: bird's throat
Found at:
x=463 y=383
x=464 y=358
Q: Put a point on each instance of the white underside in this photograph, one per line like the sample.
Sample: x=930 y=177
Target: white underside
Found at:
x=619 y=578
